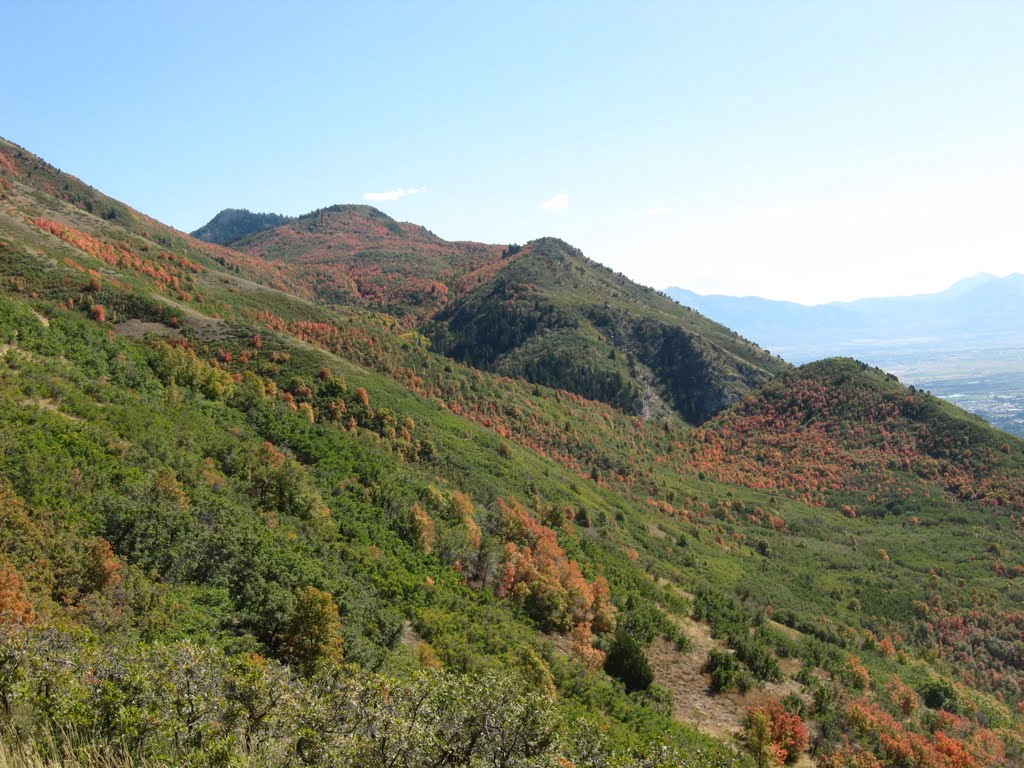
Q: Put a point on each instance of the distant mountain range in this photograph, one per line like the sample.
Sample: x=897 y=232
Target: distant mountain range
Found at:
x=983 y=309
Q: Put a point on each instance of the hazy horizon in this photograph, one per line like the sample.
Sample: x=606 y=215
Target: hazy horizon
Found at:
x=965 y=278
x=801 y=152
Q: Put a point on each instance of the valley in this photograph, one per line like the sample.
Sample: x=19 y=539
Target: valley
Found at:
x=964 y=344
x=988 y=382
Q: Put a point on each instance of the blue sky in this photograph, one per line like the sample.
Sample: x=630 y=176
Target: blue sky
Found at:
x=809 y=151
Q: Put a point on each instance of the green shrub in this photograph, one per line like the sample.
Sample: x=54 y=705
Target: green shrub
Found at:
x=626 y=662
x=940 y=694
x=726 y=671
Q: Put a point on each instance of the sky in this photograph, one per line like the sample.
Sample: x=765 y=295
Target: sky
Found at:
x=809 y=151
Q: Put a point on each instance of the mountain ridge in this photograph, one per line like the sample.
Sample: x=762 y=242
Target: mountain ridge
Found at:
x=242 y=526
x=233 y=224
x=641 y=354
x=789 y=326
x=556 y=318
x=357 y=254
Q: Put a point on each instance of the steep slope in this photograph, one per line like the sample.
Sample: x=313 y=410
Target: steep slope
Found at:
x=604 y=338
x=556 y=318
x=233 y=224
x=349 y=254
x=837 y=429
x=240 y=527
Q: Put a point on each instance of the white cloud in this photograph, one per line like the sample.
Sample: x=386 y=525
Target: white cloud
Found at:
x=659 y=211
x=394 y=194
x=557 y=203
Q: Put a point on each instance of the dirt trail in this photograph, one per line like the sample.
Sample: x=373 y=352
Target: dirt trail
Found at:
x=721 y=714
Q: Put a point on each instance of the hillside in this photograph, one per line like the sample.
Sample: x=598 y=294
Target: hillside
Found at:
x=553 y=317
x=963 y=344
x=543 y=313
x=838 y=428
x=348 y=254
x=233 y=224
x=240 y=527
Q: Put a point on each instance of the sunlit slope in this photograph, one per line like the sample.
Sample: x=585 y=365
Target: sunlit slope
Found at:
x=348 y=254
x=838 y=427
x=554 y=317
x=276 y=525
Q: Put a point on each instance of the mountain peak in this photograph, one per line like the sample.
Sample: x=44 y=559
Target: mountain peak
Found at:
x=556 y=318
x=234 y=224
x=970 y=283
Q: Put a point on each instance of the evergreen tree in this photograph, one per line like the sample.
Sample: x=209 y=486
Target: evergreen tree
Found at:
x=626 y=662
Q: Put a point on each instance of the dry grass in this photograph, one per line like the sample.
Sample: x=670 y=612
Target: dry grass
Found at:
x=65 y=753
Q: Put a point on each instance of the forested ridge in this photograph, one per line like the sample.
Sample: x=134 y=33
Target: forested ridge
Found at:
x=244 y=523
x=556 y=318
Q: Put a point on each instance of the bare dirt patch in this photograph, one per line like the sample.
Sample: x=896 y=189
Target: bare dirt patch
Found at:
x=205 y=326
x=137 y=329
x=682 y=673
x=656 y=532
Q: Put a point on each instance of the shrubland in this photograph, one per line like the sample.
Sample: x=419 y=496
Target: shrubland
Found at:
x=242 y=526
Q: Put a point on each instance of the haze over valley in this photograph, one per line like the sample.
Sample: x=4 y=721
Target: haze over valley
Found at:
x=965 y=344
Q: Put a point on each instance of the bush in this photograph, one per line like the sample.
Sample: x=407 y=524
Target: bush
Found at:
x=940 y=694
x=627 y=663
x=726 y=671
x=758 y=658
x=786 y=731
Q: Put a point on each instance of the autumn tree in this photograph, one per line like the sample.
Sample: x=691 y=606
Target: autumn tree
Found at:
x=786 y=731
x=101 y=567
x=314 y=632
x=758 y=738
x=15 y=607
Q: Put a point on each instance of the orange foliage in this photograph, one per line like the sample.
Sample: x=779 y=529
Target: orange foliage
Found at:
x=15 y=607
x=788 y=731
x=424 y=531
x=102 y=566
x=849 y=756
x=820 y=431
x=462 y=504
x=583 y=647
x=901 y=747
x=903 y=697
x=538 y=574
x=166 y=269
x=348 y=251
x=8 y=165
x=855 y=674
